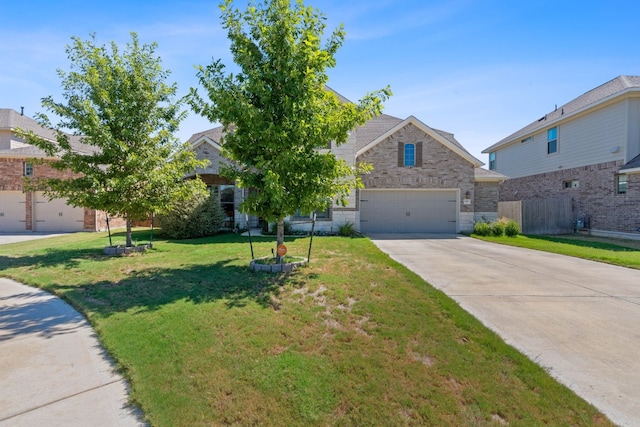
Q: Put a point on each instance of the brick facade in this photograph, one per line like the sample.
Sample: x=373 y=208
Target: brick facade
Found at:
x=441 y=168
x=11 y=179
x=593 y=191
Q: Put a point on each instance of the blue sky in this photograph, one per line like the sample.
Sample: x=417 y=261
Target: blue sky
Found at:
x=480 y=69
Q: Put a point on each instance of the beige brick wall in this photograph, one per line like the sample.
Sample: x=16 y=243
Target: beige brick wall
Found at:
x=595 y=194
x=441 y=167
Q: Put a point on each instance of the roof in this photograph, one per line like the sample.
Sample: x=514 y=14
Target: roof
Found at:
x=214 y=134
x=612 y=89
x=374 y=128
x=633 y=166
x=11 y=120
x=484 y=175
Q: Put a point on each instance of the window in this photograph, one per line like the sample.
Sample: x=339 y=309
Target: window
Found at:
x=409 y=155
x=552 y=140
x=28 y=169
x=574 y=183
x=320 y=215
x=621 y=184
x=492 y=160
x=225 y=194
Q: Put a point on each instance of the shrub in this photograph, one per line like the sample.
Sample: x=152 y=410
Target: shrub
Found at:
x=482 y=229
x=347 y=229
x=512 y=229
x=497 y=228
x=197 y=217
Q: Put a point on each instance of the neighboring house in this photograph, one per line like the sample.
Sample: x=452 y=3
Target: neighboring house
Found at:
x=587 y=150
x=30 y=211
x=423 y=180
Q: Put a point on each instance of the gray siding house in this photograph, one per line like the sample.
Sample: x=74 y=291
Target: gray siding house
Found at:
x=423 y=180
x=587 y=150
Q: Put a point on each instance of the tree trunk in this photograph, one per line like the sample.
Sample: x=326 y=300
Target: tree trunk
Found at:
x=279 y=238
x=128 y=232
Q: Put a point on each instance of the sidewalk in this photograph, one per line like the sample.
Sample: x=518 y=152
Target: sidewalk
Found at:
x=53 y=370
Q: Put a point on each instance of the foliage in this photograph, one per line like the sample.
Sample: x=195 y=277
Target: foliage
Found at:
x=355 y=339
x=197 y=216
x=482 y=229
x=277 y=112
x=347 y=229
x=271 y=229
x=512 y=229
x=130 y=163
x=497 y=228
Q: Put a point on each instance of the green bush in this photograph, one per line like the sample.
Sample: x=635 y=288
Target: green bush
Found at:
x=512 y=229
x=198 y=216
x=497 y=229
x=482 y=229
x=347 y=229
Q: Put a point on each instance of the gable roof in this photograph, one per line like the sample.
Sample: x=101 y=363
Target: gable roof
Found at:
x=484 y=175
x=10 y=120
x=210 y=136
x=633 y=166
x=619 y=86
x=444 y=138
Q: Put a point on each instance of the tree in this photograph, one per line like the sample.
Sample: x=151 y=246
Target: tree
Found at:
x=125 y=114
x=277 y=112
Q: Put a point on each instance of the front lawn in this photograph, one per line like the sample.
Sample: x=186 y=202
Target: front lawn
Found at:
x=625 y=253
x=354 y=339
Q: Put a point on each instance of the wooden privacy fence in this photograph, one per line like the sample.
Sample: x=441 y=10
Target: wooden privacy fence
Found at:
x=540 y=216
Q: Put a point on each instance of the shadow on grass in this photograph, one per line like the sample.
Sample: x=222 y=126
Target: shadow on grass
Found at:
x=583 y=243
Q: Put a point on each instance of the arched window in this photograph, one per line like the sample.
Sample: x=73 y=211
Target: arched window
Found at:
x=409 y=154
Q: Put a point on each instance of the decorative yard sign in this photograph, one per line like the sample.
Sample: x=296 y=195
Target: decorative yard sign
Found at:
x=282 y=250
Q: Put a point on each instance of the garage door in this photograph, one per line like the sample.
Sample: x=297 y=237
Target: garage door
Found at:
x=13 y=212
x=408 y=211
x=56 y=215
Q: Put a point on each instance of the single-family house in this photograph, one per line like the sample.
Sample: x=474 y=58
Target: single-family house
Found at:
x=22 y=211
x=587 y=150
x=423 y=180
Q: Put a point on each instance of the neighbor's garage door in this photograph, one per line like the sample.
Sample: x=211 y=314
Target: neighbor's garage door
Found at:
x=13 y=212
x=408 y=211
x=56 y=215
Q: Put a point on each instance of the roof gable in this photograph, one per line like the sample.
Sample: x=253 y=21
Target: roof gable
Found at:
x=442 y=137
x=619 y=86
x=211 y=137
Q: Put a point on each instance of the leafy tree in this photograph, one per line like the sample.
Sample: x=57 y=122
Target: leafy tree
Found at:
x=119 y=103
x=277 y=113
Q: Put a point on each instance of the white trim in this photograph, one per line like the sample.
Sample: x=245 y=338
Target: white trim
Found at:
x=429 y=131
x=630 y=171
x=205 y=139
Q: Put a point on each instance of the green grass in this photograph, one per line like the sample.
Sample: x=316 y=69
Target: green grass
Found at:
x=354 y=339
x=625 y=253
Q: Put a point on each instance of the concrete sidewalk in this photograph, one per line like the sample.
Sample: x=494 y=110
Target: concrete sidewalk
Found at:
x=577 y=318
x=53 y=371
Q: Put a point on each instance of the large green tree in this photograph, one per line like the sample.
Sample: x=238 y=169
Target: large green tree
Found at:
x=125 y=114
x=277 y=112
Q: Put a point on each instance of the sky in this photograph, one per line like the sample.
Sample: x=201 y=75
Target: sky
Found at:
x=480 y=69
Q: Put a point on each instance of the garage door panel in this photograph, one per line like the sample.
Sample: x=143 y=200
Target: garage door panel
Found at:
x=13 y=212
x=402 y=211
x=55 y=215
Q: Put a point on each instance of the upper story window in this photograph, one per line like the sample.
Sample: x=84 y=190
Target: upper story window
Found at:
x=409 y=155
x=28 y=169
x=492 y=160
x=621 y=184
x=552 y=140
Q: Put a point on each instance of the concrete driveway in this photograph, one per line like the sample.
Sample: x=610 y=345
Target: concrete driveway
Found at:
x=53 y=370
x=580 y=319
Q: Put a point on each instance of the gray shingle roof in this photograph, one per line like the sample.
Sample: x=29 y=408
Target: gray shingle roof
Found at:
x=11 y=120
x=487 y=175
x=632 y=164
x=214 y=134
x=612 y=88
x=375 y=127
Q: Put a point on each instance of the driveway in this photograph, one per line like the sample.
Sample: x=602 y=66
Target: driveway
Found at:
x=53 y=370
x=579 y=319
x=22 y=237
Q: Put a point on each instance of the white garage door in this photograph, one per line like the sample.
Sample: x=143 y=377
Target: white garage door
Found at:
x=56 y=215
x=408 y=211
x=13 y=212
